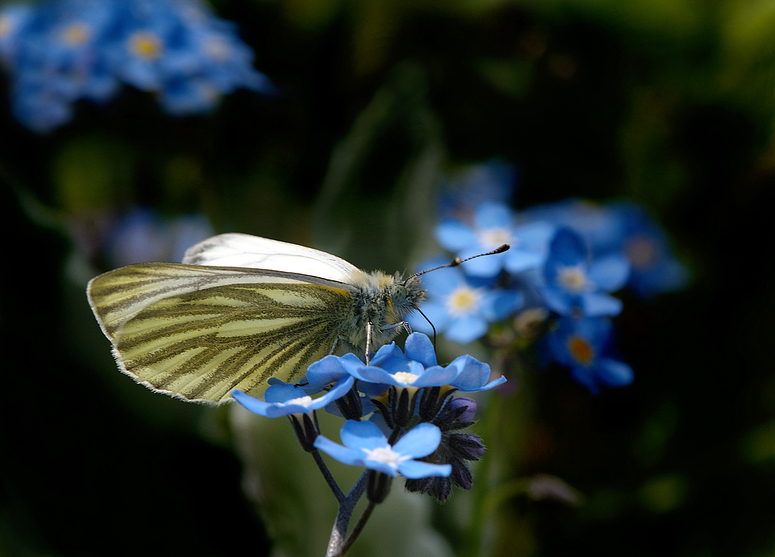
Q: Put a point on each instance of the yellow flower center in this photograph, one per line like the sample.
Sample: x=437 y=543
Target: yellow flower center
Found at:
x=581 y=350
x=6 y=25
x=641 y=252
x=76 y=34
x=144 y=44
x=573 y=278
x=463 y=300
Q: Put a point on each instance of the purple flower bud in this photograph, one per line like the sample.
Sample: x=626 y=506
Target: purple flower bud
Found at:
x=468 y=415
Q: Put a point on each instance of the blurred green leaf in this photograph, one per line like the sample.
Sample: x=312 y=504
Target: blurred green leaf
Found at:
x=663 y=493
x=92 y=172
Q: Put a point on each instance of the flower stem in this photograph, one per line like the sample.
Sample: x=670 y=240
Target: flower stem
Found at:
x=336 y=542
x=358 y=528
x=338 y=493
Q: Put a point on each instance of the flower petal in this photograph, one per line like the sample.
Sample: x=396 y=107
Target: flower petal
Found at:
x=414 y=469
x=253 y=404
x=419 y=441
x=614 y=373
x=453 y=235
x=362 y=435
x=595 y=304
x=466 y=328
x=351 y=456
x=420 y=348
x=609 y=273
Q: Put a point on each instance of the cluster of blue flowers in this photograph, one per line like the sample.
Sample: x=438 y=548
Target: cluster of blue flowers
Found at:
x=60 y=51
x=566 y=260
x=415 y=422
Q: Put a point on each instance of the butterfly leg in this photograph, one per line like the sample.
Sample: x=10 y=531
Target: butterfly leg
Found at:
x=368 y=342
x=392 y=330
x=333 y=346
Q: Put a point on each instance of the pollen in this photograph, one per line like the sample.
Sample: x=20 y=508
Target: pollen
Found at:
x=76 y=34
x=573 y=278
x=581 y=350
x=145 y=44
x=463 y=300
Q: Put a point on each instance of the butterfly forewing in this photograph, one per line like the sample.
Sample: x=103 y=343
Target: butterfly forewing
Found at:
x=200 y=332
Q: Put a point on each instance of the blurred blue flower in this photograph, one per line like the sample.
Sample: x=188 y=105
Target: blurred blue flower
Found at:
x=60 y=51
x=580 y=345
x=57 y=58
x=653 y=267
x=598 y=224
x=493 y=225
x=13 y=18
x=417 y=367
x=462 y=191
x=460 y=309
x=283 y=399
x=573 y=284
x=365 y=445
x=142 y=235
x=620 y=228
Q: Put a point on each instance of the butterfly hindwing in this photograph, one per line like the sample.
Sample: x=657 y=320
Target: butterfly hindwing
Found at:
x=200 y=332
x=243 y=250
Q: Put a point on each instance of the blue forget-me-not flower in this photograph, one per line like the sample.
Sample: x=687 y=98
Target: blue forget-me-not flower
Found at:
x=283 y=399
x=365 y=445
x=574 y=284
x=461 y=308
x=580 y=344
x=417 y=367
x=493 y=225
x=653 y=267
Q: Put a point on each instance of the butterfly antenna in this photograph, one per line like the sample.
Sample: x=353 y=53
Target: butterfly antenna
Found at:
x=429 y=323
x=457 y=261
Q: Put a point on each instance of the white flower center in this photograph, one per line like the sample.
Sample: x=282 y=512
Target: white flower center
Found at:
x=217 y=48
x=301 y=401
x=464 y=300
x=405 y=377
x=495 y=237
x=385 y=455
x=573 y=278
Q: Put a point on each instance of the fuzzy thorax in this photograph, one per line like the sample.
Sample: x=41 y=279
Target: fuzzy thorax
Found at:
x=383 y=301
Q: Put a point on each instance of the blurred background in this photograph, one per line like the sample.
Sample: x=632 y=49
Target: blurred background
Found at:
x=372 y=105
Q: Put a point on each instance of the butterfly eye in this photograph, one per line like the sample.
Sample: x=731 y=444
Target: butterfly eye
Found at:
x=399 y=294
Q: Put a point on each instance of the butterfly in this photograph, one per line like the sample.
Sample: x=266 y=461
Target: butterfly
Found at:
x=241 y=309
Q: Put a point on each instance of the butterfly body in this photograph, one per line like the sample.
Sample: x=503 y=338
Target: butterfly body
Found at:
x=198 y=330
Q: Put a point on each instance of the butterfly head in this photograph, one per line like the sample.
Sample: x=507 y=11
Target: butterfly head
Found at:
x=406 y=295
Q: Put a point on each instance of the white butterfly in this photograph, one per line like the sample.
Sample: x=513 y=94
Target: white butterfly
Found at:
x=242 y=309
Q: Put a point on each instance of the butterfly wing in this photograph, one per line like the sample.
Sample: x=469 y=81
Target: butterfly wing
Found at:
x=199 y=332
x=243 y=250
